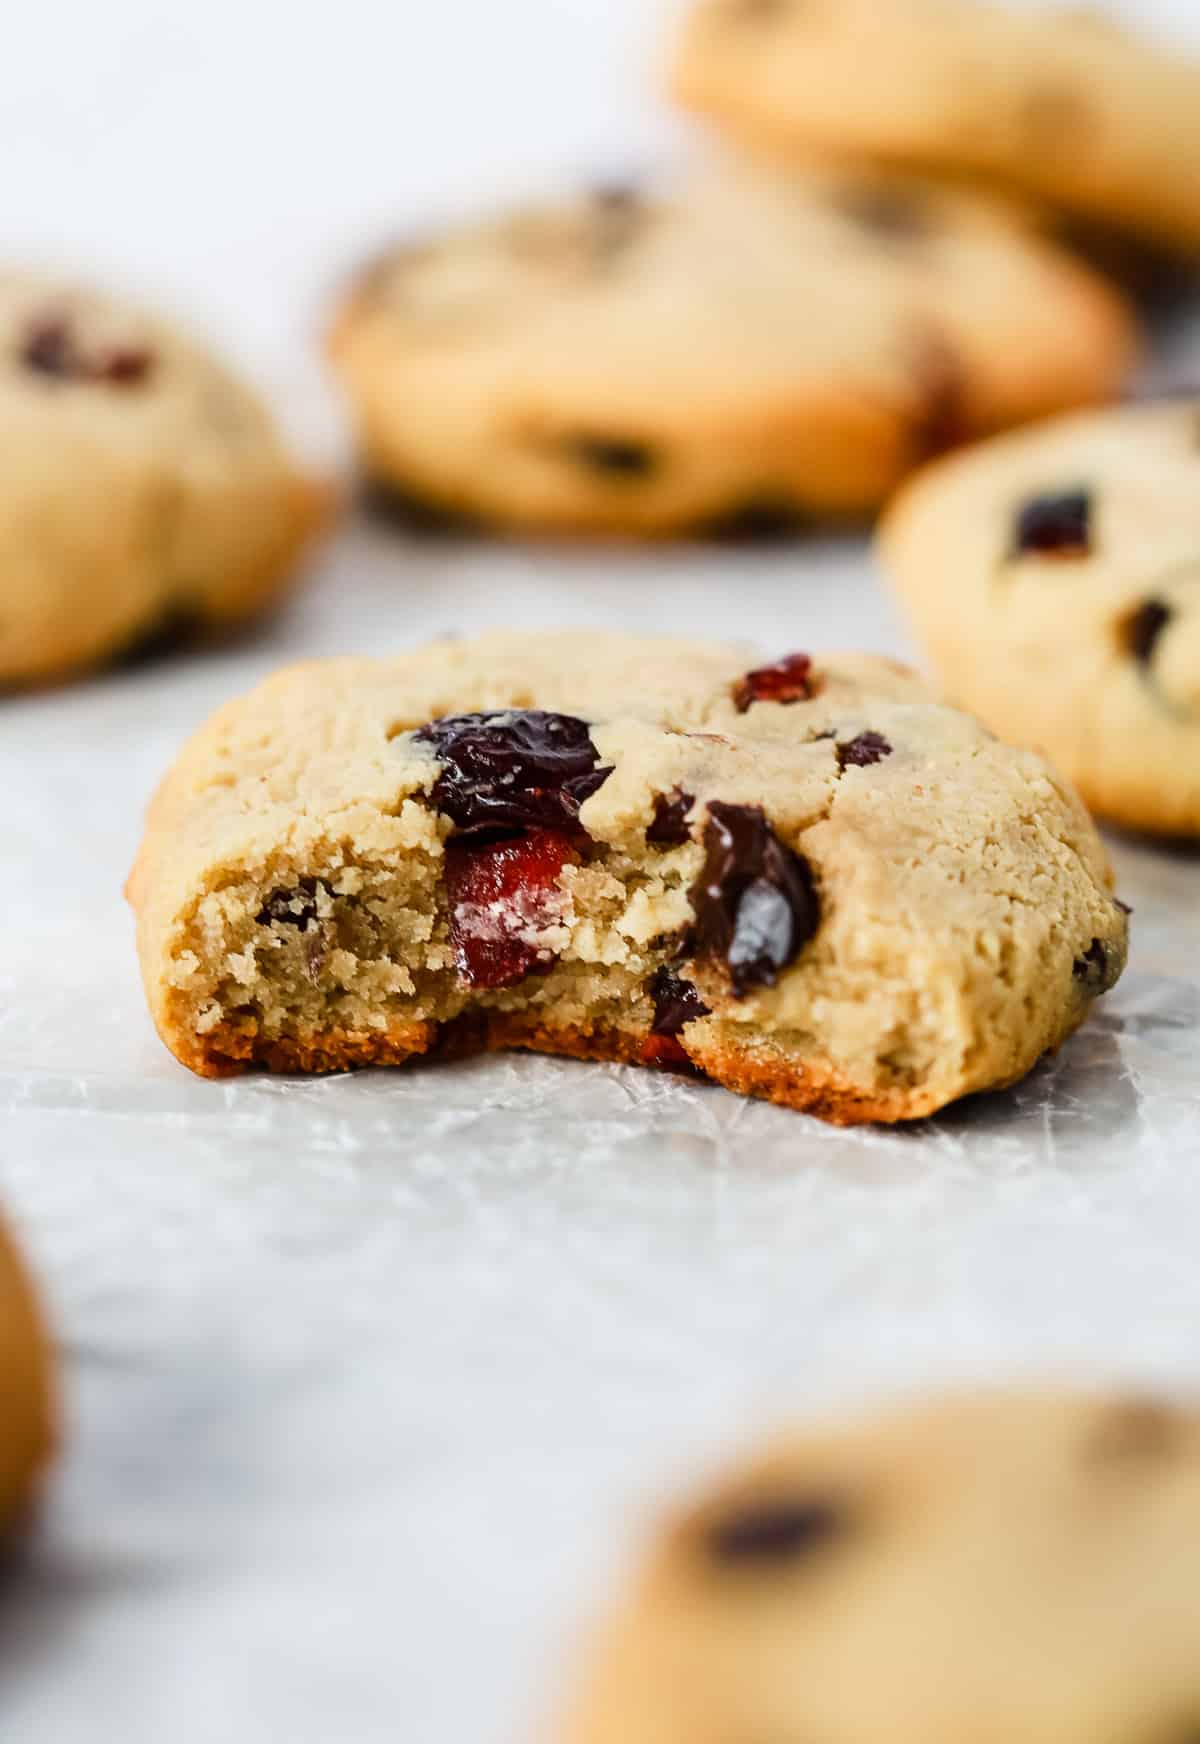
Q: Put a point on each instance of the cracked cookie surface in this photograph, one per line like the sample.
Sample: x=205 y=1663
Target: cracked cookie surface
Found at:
x=855 y=901
x=146 y=494
x=1054 y=576
x=1058 y=103
x=1009 y=1567
x=742 y=355
x=26 y=1405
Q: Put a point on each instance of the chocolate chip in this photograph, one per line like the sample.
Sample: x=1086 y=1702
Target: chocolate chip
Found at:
x=614 y=457
x=755 y=900
x=1143 y=629
x=1097 y=968
x=788 y=680
x=51 y=348
x=757 y=521
x=669 y=827
x=676 y=1002
x=775 y=1532
x=295 y=907
x=511 y=770
x=858 y=753
x=407 y=511
x=1057 y=525
x=48 y=348
x=890 y=213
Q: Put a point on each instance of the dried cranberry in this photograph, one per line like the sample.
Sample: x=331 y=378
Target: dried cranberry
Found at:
x=1144 y=627
x=1096 y=968
x=295 y=907
x=513 y=770
x=500 y=894
x=123 y=365
x=669 y=827
x=1055 y=526
x=755 y=901
x=789 y=680
x=774 y=1532
x=866 y=749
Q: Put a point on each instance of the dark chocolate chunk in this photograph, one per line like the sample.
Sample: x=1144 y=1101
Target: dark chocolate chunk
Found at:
x=1058 y=525
x=511 y=770
x=676 y=1002
x=1097 y=968
x=758 y=521
x=616 y=457
x=867 y=748
x=1144 y=627
x=669 y=827
x=755 y=900
x=776 y=1532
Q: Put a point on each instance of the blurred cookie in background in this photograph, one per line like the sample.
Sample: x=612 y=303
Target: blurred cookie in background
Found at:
x=144 y=492
x=749 y=351
x=1000 y=1567
x=26 y=1391
x=1054 y=577
x=1062 y=104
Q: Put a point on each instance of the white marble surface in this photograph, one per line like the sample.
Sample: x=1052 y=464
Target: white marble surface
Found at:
x=368 y=1381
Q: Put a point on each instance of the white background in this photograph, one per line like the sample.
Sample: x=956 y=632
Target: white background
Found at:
x=368 y=1381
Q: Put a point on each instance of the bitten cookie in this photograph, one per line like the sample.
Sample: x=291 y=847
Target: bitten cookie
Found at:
x=1055 y=578
x=805 y=880
x=751 y=351
x=1060 y=103
x=1016 y=1568
x=144 y=493
x=26 y=1401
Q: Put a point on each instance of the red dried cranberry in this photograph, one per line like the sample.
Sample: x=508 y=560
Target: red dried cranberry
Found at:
x=669 y=827
x=776 y=1531
x=789 y=680
x=755 y=901
x=1055 y=526
x=859 y=753
x=1096 y=968
x=513 y=770
x=500 y=893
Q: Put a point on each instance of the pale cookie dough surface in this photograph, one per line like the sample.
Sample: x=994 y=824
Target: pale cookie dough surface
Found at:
x=747 y=349
x=1016 y=1568
x=1090 y=651
x=291 y=890
x=144 y=493
x=26 y=1409
x=1060 y=103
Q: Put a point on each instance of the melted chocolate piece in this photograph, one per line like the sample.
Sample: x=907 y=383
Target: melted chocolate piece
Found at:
x=866 y=749
x=512 y=770
x=1055 y=526
x=755 y=900
x=676 y=1002
x=788 y=680
x=1096 y=968
x=669 y=827
x=775 y=1532
x=1144 y=627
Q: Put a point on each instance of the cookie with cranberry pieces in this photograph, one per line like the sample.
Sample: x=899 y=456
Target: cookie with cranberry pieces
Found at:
x=804 y=879
x=1008 y=1566
x=27 y=1409
x=146 y=493
x=1058 y=103
x=735 y=356
x=1054 y=577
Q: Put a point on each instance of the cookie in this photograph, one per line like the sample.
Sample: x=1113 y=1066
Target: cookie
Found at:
x=144 y=493
x=26 y=1406
x=805 y=880
x=1002 y=1567
x=1054 y=577
x=751 y=351
x=1060 y=104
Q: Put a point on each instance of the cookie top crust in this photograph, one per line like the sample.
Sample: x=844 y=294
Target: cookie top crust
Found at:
x=666 y=360
x=1072 y=554
x=1012 y=1556
x=1059 y=103
x=139 y=480
x=947 y=890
